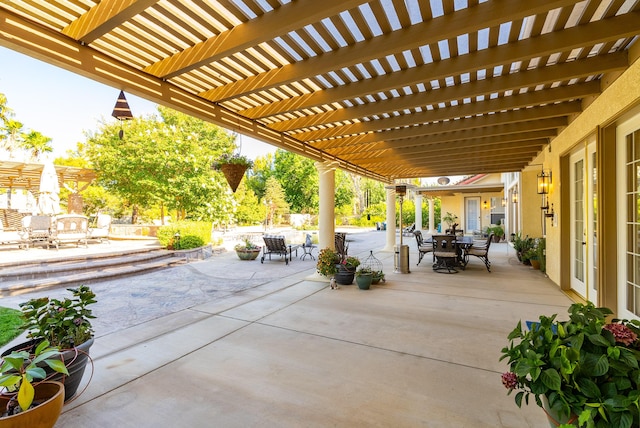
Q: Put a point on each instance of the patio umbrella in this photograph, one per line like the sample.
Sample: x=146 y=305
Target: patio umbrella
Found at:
x=49 y=199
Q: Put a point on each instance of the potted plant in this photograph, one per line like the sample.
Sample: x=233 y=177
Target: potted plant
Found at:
x=327 y=262
x=247 y=250
x=364 y=276
x=498 y=232
x=24 y=402
x=583 y=371
x=450 y=219
x=66 y=325
x=532 y=257
x=233 y=167
x=346 y=270
x=377 y=277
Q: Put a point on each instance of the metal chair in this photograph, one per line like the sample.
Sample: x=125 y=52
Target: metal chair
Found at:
x=445 y=252
x=422 y=247
x=482 y=252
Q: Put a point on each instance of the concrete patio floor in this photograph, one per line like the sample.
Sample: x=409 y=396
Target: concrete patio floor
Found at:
x=230 y=343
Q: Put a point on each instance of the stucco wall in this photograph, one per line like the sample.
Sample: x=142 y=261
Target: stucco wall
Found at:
x=619 y=97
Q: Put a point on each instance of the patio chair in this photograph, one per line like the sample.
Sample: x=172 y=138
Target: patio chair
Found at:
x=101 y=231
x=275 y=244
x=341 y=245
x=70 y=228
x=445 y=252
x=39 y=229
x=422 y=247
x=408 y=231
x=482 y=252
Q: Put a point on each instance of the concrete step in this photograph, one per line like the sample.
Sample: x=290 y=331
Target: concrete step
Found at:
x=53 y=273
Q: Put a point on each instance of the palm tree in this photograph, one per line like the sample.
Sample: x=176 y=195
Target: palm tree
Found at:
x=36 y=144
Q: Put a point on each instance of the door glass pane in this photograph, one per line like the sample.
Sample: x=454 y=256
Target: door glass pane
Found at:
x=472 y=215
x=594 y=222
x=578 y=187
x=633 y=222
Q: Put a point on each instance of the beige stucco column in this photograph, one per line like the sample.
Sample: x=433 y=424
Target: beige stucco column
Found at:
x=418 y=203
x=390 y=241
x=432 y=224
x=326 y=220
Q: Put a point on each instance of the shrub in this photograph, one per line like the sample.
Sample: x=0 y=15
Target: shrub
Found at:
x=188 y=242
x=167 y=234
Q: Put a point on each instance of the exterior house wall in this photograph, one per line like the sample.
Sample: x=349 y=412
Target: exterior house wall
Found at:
x=619 y=97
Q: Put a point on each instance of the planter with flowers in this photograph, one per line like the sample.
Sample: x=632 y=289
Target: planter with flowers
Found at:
x=233 y=167
x=66 y=325
x=27 y=398
x=326 y=264
x=346 y=270
x=247 y=250
x=583 y=372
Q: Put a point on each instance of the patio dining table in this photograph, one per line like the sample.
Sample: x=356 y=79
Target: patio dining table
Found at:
x=463 y=243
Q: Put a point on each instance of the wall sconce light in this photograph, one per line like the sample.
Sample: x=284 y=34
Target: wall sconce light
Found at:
x=514 y=197
x=485 y=205
x=544 y=182
x=504 y=202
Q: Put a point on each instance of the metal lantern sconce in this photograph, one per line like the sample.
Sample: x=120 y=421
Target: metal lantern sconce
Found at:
x=485 y=205
x=544 y=184
x=514 y=197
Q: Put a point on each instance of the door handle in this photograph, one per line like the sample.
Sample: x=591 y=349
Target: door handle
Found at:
x=584 y=243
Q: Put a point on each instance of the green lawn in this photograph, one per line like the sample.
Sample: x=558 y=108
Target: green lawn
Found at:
x=10 y=322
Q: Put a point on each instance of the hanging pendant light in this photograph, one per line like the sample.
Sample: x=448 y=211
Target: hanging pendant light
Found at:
x=121 y=111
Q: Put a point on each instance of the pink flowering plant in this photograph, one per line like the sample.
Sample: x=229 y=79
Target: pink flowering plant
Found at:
x=587 y=369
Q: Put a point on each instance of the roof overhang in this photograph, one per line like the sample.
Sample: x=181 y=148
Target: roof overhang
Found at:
x=452 y=190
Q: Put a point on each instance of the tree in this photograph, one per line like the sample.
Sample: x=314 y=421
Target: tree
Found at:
x=248 y=208
x=299 y=179
x=166 y=161
x=36 y=144
x=274 y=199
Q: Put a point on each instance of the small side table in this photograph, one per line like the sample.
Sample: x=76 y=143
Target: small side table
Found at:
x=307 y=251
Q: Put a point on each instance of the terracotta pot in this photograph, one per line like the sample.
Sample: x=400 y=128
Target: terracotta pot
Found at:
x=233 y=173
x=535 y=263
x=44 y=415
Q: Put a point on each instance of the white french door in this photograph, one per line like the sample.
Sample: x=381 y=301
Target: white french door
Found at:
x=628 y=203
x=472 y=214
x=582 y=212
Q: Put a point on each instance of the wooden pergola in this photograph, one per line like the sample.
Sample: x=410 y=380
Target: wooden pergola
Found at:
x=385 y=88
x=19 y=175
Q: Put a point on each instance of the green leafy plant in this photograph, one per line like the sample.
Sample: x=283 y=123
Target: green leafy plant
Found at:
x=450 y=218
x=586 y=368
x=19 y=370
x=522 y=245
x=63 y=323
x=188 y=242
x=351 y=262
x=235 y=159
x=364 y=270
x=327 y=260
x=246 y=244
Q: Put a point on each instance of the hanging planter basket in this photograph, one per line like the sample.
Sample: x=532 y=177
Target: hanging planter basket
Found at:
x=233 y=167
x=233 y=173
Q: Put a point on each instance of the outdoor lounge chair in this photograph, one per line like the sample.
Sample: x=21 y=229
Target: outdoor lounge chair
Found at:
x=481 y=252
x=422 y=247
x=445 y=252
x=101 y=231
x=275 y=244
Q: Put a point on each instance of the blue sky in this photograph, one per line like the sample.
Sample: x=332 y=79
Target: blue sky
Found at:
x=62 y=105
